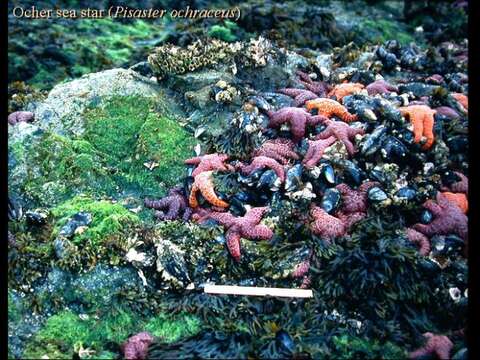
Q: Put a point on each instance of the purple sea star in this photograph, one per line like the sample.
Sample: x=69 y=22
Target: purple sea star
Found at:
x=175 y=203
x=342 y=132
x=298 y=119
x=246 y=226
x=315 y=151
x=277 y=149
x=449 y=218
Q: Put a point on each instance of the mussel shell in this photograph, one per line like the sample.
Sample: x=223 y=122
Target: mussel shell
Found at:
x=430 y=267
x=373 y=142
x=302 y=147
x=327 y=173
x=237 y=207
x=268 y=180
x=294 y=178
x=260 y=102
x=252 y=178
x=330 y=200
x=376 y=194
x=457 y=144
x=426 y=217
x=285 y=341
x=393 y=149
x=352 y=173
x=244 y=197
x=406 y=193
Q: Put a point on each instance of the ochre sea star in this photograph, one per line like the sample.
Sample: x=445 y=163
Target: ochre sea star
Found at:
x=315 y=151
x=277 y=149
x=136 y=347
x=325 y=225
x=449 y=219
x=440 y=345
x=246 y=226
x=300 y=96
x=209 y=162
x=175 y=203
x=298 y=119
x=342 y=90
x=421 y=240
x=421 y=116
x=260 y=162
x=203 y=182
x=342 y=132
x=329 y=108
x=380 y=87
x=458 y=199
x=20 y=116
x=461 y=186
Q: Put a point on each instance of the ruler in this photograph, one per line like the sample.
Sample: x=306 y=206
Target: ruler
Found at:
x=257 y=291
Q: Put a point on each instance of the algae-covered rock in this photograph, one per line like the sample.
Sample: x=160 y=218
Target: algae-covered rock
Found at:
x=126 y=146
x=105 y=238
x=62 y=111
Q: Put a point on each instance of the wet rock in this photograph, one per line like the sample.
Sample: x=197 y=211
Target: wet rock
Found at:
x=36 y=217
x=62 y=111
x=79 y=219
x=171 y=264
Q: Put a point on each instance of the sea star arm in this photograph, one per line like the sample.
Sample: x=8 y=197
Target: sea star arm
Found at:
x=260 y=232
x=324 y=134
x=233 y=242
x=316 y=119
x=173 y=210
x=187 y=214
x=193 y=161
x=209 y=194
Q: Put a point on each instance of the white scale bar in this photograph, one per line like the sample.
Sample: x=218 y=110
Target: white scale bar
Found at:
x=257 y=291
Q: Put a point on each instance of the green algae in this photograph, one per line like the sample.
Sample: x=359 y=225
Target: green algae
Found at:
x=108 y=219
x=56 y=168
x=225 y=32
x=351 y=347
x=59 y=53
x=381 y=30
x=67 y=331
x=145 y=149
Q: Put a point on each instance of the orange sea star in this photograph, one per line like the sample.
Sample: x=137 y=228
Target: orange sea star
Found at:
x=203 y=182
x=421 y=116
x=329 y=108
x=458 y=199
x=342 y=90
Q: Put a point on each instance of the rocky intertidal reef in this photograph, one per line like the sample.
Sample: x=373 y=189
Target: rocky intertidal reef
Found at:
x=344 y=172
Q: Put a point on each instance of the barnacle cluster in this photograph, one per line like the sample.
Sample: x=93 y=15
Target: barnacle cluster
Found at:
x=170 y=59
